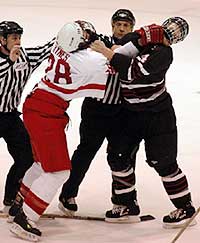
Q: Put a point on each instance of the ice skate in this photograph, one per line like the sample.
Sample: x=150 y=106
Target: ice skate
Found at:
x=14 y=209
x=68 y=207
x=123 y=214
x=24 y=228
x=179 y=217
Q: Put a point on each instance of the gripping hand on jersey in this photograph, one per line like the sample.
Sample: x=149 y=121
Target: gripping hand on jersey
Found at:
x=106 y=40
x=151 y=34
x=98 y=46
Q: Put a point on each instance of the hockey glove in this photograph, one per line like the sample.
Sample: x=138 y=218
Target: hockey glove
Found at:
x=106 y=40
x=134 y=38
x=151 y=34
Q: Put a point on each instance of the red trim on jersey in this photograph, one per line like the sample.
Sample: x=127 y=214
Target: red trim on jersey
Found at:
x=23 y=189
x=35 y=203
x=71 y=91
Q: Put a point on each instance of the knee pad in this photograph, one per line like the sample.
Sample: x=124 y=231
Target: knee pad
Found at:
x=117 y=161
x=163 y=169
x=121 y=159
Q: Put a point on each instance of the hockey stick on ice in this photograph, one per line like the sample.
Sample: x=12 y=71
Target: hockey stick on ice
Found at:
x=185 y=226
x=53 y=216
x=79 y=217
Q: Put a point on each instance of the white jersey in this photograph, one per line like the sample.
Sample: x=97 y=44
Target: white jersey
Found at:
x=72 y=75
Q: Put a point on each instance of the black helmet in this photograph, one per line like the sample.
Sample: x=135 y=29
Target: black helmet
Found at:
x=123 y=15
x=10 y=27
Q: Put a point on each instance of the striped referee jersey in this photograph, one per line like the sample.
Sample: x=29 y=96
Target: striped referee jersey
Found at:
x=14 y=75
x=112 y=92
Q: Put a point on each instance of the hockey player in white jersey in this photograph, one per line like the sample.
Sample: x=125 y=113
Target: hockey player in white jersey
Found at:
x=73 y=71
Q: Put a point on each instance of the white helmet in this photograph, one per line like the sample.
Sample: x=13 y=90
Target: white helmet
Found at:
x=70 y=36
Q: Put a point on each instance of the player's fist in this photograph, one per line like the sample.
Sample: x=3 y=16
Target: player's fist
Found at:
x=98 y=46
x=153 y=34
x=15 y=53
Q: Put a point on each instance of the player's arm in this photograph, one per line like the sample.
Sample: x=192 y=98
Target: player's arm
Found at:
x=133 y=43
x=150 y=34
x=119 y=61
x=157 y=62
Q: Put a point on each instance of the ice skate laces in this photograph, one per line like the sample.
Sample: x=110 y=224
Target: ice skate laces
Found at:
x=176 y=213
x=71 y=200
x=117 y=209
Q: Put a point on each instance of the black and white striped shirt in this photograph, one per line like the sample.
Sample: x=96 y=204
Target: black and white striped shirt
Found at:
x=14 y=75
x=112 y=92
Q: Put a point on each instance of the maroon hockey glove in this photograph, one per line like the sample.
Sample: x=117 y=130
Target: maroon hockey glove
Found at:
x=153 y=34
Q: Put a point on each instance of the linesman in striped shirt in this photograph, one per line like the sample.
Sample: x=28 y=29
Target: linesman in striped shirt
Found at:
x=16 y=67
x=97 y=119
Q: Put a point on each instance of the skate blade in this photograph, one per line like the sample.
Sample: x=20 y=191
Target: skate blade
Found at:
x=10 y=219
x=124 y=220
x=66 y=212
x=179 y=224
x=18 y=231
x=5 y=209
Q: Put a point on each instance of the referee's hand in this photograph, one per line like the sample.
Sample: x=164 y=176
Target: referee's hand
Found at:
x=15 y=53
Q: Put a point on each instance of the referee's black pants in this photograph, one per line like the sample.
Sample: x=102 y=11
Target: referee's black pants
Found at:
x=98 y=121
x=12 y=130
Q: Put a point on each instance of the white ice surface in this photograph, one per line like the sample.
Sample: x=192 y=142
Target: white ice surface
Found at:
x=41 y=21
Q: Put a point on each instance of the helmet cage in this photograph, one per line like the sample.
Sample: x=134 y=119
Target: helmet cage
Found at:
x=176 y=29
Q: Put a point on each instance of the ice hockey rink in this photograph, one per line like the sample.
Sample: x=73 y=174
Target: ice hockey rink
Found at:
x=41 y=21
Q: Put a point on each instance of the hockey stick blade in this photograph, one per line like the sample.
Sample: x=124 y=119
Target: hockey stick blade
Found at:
x=147 y=217
x=79 y=217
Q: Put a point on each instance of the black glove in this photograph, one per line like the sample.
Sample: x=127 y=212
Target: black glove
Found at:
x=94 y=36
x=133 y=37
x=106 y=40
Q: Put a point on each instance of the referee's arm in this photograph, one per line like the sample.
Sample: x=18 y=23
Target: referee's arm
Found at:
x=37 y=55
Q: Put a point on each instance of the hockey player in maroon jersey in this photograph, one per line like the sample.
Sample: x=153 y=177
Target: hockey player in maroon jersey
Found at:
x=148 y=115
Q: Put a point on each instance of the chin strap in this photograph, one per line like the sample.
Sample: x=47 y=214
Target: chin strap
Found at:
x=5 y=47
